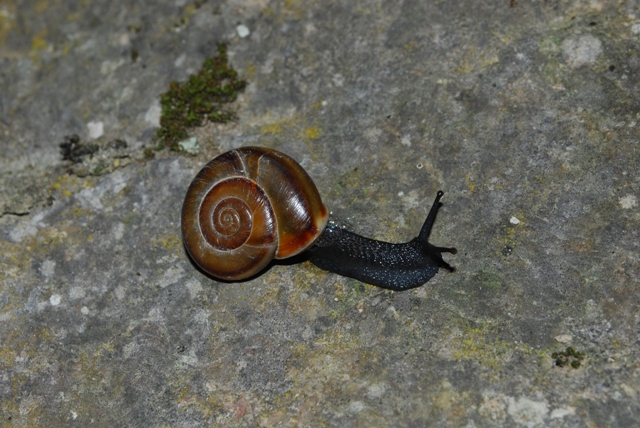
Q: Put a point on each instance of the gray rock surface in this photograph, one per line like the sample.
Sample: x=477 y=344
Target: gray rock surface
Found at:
x=528 y=117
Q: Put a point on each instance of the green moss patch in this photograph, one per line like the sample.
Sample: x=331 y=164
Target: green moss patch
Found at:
x=203 y=97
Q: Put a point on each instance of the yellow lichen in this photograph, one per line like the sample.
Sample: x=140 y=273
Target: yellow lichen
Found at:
x=272 y=128
x=169 y=242
x=311 y=133
x=7 y=19
x=476 y=344
x=469 y=182
x=39 y=42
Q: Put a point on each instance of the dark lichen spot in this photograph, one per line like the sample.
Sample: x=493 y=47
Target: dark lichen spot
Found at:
x=117 y=144
x=83 y=155
x=148 y=153
x=202 y=97
x=569 y=357
x=134 y=28
x=74 y=150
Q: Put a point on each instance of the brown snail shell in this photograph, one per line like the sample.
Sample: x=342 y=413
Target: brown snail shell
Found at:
x=247 y=207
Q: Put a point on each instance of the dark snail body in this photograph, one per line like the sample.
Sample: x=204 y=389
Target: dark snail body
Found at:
x=251 y=205
x=394 y=266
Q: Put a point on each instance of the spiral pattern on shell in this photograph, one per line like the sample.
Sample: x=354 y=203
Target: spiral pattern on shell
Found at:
x=247 y=207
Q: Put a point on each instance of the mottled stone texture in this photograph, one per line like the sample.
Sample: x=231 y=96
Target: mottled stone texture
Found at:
x=528 y=117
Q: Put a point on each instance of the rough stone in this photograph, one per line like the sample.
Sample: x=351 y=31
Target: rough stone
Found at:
x=526 y=111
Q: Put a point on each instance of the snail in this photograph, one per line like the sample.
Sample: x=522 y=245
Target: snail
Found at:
x=253 y=204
